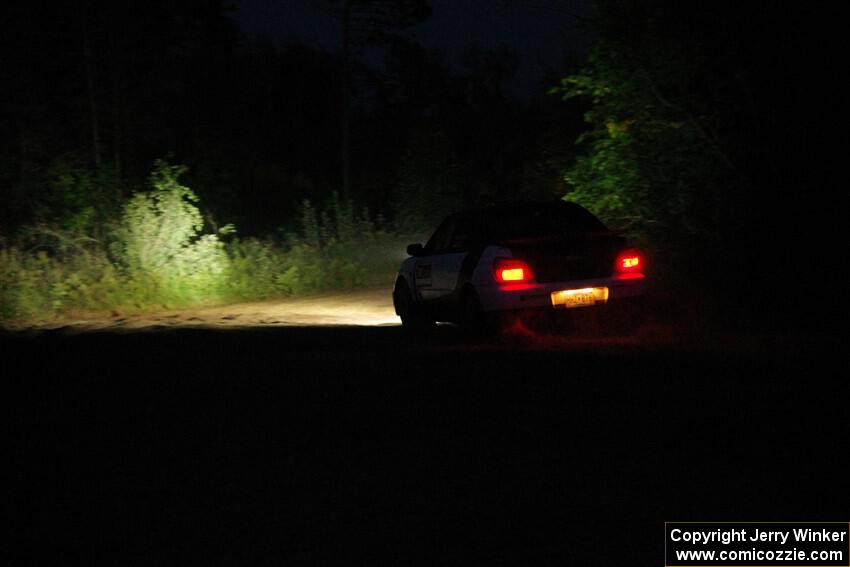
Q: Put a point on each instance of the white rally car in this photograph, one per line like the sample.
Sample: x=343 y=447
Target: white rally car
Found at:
x=515 y=258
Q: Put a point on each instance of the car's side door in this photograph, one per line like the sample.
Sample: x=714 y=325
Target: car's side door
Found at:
x=436 y=271
x=423 y=270
x=447 y=266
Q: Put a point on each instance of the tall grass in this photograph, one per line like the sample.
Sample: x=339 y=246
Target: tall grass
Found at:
x=157 y=255
x=36 y=286
x=333 y=249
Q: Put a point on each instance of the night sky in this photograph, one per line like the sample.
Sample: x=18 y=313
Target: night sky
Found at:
x=546 y=35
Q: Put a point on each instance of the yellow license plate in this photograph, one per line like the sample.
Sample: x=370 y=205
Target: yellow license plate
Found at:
x=583 y=297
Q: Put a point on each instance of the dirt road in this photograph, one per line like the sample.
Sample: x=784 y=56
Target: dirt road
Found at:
x=370 y=307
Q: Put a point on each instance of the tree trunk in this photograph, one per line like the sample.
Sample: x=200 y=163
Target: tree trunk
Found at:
x=346 y=101
x=116 y=107
x=95 y=129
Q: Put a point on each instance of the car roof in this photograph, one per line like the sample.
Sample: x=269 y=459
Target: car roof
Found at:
x=500 y=217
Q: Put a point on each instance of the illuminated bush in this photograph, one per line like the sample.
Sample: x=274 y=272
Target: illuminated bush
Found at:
x=160 y=245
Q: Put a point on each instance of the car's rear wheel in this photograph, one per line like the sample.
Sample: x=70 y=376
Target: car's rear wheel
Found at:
x=413 y=317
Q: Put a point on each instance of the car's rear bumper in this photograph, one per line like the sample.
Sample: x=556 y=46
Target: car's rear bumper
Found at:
x=539 y=296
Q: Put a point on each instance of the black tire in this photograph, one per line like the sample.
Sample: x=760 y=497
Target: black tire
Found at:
x=413 y=318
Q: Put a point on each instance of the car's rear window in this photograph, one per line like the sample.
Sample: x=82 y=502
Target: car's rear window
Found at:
x=540 y=221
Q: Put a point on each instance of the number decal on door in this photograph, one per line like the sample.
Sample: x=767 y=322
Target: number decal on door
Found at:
x=423 y=274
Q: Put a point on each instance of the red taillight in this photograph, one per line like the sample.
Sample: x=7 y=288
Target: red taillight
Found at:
x=512 y=270
x=629 y=261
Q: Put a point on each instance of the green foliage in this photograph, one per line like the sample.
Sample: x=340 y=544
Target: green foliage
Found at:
x=157 y=255
x=254 y=269
x=160 y=244
x=311 y=270
x=35 y=286
x=79 y=198
x=334 y=249
x=685 y=150
x=647 y=156
x=338 y=249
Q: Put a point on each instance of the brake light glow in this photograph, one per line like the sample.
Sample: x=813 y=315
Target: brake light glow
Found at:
x=513 y=275
x=512 y=270
x=629 y=261
x=632 y=262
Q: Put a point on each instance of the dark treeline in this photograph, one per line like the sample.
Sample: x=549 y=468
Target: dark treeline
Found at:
x=712 y=131
x=102 y=89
